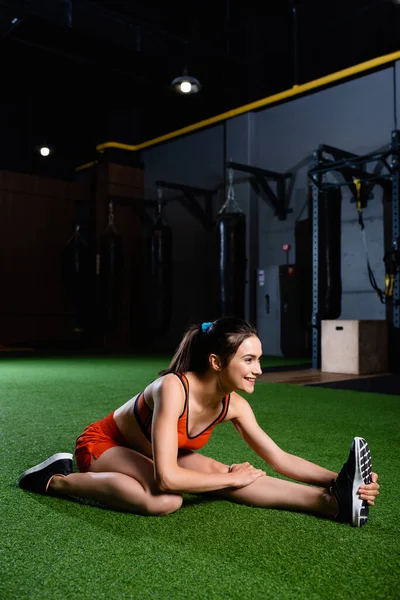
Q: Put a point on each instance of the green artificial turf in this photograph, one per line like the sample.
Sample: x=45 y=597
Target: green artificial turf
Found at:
x=55 y=548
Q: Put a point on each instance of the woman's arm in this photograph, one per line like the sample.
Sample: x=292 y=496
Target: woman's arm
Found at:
x=282 y=462
x=168 y=395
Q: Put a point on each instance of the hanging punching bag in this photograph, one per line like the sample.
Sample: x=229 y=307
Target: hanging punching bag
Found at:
x=161 y=273
x=330 y=281
x=231 y=247
x=75 y=266
x=111 y=271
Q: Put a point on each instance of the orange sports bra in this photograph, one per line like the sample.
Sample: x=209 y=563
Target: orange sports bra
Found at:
x=144 y=417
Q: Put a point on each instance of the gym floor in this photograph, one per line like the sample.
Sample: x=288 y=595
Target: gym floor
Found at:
x=70 y=548
x=378 y=383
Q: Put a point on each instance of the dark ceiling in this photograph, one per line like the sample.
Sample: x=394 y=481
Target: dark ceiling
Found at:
x=83 y=72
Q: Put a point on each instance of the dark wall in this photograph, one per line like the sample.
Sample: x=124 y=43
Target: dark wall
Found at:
x=37 y=217
x=41 y=299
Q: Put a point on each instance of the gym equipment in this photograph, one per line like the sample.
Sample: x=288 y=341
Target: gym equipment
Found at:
x=75 y=267
x=231 y=246
x=361 y=182
x=110 y=272
x=161 y=272
x=330 y=281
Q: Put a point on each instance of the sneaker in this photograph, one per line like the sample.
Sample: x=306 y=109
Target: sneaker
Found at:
x=355 y=472
x=36 y=479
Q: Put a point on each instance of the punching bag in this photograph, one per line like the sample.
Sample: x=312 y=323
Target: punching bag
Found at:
x=75 y=267
x=231 y=247
x=111 y=272
x=330 y=280
x=161 y=274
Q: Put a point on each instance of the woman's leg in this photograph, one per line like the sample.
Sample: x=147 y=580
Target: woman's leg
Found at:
x=267 y=492
x=122 y=479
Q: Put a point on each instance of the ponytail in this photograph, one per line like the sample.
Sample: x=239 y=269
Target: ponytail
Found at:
x=183 y=357
x=221 y=337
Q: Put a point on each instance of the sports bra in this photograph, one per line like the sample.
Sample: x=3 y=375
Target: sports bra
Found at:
x=144 y=417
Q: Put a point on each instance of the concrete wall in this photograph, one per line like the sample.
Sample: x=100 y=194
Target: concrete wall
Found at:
x=357 y=116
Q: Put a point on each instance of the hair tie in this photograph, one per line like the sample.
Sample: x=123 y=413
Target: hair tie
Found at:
x=205 y=327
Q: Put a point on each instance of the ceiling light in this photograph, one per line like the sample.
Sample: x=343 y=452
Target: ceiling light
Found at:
x=45 y=150
x=186 y=84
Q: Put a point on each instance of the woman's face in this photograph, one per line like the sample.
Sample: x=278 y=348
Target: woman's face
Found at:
x=243 y=368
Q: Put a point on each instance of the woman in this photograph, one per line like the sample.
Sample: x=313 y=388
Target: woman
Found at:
x=142 y=457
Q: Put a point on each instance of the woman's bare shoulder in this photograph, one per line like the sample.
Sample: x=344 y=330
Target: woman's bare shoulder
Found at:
x=166 y=388
x=237 y=405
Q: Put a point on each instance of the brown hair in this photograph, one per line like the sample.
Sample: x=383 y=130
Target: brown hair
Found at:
x=222 y=337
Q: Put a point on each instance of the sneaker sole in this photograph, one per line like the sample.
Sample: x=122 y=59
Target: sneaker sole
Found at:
x=363 y=470
x=46 y=463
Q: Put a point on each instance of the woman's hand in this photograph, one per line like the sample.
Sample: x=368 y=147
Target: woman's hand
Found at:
x=369 y=491
x=244 y=474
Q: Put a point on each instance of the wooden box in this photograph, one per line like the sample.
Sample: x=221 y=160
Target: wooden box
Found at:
x=354 y=347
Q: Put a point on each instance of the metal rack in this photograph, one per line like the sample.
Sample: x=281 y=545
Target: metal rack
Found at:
x=353 y=168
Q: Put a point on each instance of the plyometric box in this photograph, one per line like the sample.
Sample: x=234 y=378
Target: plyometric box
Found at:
x=354 y=347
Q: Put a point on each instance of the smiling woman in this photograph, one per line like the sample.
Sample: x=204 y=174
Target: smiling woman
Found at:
x=142 y=457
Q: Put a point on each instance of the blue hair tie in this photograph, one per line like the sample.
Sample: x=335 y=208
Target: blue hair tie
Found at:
x=205 y=327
